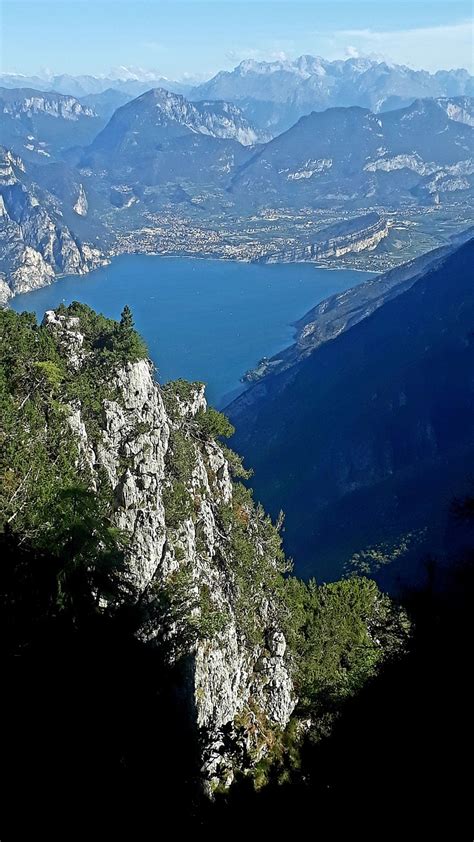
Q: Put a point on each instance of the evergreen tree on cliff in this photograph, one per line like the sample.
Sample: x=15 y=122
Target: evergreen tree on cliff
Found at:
x=130 y=343
x=126 y=319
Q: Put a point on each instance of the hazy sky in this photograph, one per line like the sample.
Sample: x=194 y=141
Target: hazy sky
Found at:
x=199 y=37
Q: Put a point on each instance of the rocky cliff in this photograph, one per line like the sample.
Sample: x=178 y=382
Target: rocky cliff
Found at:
x=35 y=244
x=161 y=114
x=351 y=237
x=40 y=125
x=196 y=541
x=29 y=102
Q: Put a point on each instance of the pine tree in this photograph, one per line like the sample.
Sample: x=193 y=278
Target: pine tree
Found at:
x=126 y=319
x=128 y=342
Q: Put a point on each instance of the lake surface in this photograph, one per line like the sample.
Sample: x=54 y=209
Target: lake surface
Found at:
x=207 y=320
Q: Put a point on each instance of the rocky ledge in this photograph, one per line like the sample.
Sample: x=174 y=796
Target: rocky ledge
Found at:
x=188 y=529
x=36 y=247
x=349 y=237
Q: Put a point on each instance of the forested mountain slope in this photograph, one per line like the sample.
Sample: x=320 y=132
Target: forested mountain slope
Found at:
x=364 y=442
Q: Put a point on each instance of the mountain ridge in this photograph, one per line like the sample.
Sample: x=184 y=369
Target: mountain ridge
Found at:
x=286 y=90
x=161 y=157
x=86 y=84
x=342 y=310
x=364 y=421
x=40 y=125
x=353 y=155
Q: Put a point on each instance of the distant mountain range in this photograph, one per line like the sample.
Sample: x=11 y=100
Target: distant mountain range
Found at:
x=273 y=95
x=351 y=155
x=365 y=439
x=276 y=94
x=106 y=102
x=127 y=81
x=106 y=177
x=40 y=125
x=161 y=138
x=339 y=157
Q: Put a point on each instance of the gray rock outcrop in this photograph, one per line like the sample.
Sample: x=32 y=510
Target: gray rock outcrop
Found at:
x=35 y=244
x=240 y=689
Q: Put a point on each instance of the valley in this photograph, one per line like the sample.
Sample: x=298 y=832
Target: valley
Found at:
x=285 y=235
x=236 y=419
x=167 y=174
x=369 y=170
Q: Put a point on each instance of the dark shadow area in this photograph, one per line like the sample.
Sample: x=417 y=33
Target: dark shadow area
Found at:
x=364 y=439
x=398 y=760
x=97 y=741
x=96 y=736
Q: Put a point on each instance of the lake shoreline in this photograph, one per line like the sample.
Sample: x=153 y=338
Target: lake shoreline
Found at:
x=109 y=260
x=203 y=319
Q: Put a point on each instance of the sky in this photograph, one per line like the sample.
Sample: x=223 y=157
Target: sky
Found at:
x=196 y=38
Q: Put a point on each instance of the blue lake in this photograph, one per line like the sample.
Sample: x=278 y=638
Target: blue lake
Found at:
x=204 y=320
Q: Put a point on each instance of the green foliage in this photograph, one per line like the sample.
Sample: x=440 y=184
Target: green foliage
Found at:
x=178 y=504
x=168 y=610
x=177 y=392
x=183 y=389
x=180 y=460
x=126 y=319
x=51 y=372
x=180 y=457
x=213 y=424
x=109 y=341
x=37 y=452
x=127 y=341
x=44 y=494
x=340 y=634
x=256 y=561
x=90 y=549
x=370 y=560
x=183 y=612
x=142 y=428
x=236 y=466
x=38 y=455
x=209 y=620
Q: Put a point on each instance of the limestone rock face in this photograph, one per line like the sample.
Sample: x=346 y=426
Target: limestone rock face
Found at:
x=361 y=234
x=69 y=338
x=35 y=244
x=30 y=102
x=32 y=271
x=240 y=691
x=81 y=205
